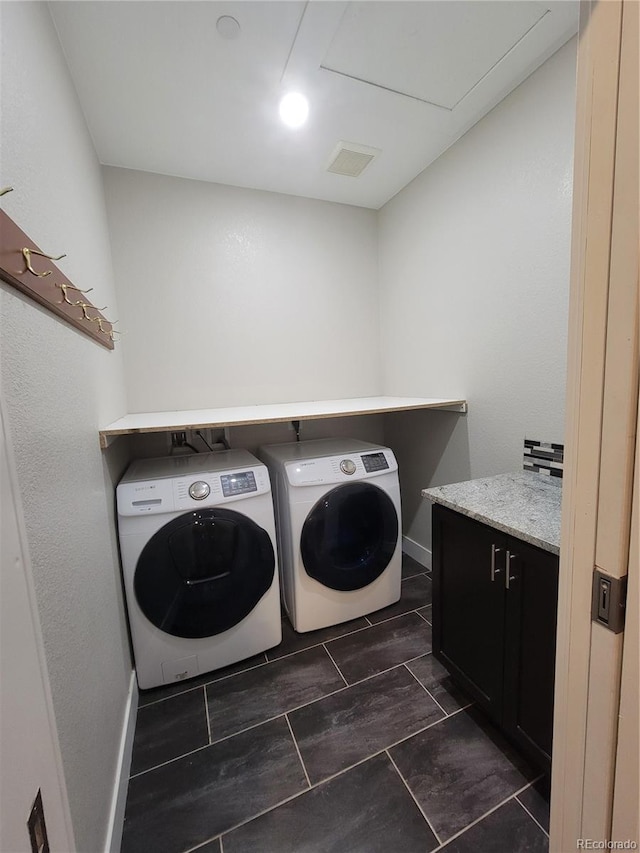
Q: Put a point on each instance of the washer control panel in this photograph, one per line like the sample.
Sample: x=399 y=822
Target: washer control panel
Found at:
x=183 y=493
x=223 y=487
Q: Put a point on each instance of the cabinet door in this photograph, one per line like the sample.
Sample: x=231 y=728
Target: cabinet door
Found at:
x=468 y=606
x=530 y=647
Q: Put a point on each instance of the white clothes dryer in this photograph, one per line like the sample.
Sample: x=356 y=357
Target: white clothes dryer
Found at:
x=339 y=528
x=198 y=547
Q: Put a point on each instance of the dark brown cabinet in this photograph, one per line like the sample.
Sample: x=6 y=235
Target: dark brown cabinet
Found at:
x=495 y=602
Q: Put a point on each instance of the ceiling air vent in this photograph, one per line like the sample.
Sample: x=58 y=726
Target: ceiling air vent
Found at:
x=351 y=159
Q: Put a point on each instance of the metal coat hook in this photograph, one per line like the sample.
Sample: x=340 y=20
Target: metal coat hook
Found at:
x=100 y=321
x=114 y=332
x=26 y=253
x=84 y=306
x=6 y=190
x=65 y=298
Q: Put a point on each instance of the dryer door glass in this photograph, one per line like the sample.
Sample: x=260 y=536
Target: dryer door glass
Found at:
x=204 y=572
x=349 y=536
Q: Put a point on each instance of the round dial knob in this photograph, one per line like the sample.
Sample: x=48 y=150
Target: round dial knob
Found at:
x=199 y=490
x=347 y=466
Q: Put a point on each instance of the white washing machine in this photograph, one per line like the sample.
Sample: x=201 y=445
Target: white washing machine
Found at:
x=198 y=547
x=339 y=528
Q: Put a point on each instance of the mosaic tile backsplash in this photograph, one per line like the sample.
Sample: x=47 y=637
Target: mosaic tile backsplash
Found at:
x=543 y=457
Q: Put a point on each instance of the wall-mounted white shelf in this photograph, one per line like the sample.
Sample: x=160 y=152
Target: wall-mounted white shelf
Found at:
x=269 y=414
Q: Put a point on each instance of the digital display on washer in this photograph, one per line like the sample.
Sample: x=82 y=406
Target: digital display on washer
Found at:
x=374 y=462
x=238 y=484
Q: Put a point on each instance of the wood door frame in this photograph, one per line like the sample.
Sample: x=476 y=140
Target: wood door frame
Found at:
x=626 y=800
x=601 y=413
x=42 y=766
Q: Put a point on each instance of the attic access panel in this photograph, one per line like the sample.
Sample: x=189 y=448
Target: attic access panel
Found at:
x=434 y=51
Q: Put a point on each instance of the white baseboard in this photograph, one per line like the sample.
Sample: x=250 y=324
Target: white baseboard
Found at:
x=419 y=553
x=119 y=799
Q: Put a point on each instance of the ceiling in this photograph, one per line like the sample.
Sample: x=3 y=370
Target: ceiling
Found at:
x=163 y=91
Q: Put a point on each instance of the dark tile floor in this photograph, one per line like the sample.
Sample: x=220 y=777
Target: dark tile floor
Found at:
x=352 y=739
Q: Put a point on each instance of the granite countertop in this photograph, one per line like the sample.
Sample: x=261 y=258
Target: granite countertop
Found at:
x=523 y=504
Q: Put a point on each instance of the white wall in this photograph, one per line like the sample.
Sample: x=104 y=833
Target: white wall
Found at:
x=474 y=285
x=58 y=387
x=232 y=296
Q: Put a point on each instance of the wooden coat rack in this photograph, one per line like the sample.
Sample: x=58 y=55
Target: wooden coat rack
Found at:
x=26 y=267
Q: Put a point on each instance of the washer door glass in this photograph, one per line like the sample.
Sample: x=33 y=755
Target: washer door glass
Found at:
x=350 y=536
x=202 y=573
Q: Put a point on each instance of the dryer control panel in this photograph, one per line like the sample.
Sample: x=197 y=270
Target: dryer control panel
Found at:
x=340 y=469
x=191 y=491
x=375 y=462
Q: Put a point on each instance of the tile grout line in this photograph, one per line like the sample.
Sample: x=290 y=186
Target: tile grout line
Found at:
x=383 y=749
x=340 y=636
x=321 y=643
x=206 y=708
x=395 y=666
x=531 y=783
x=324 y=646
x=295 y=742
x=369 y=677
x=428 y=692
x=290 y=711
x=422 y=812
x=253 y=726
x=178 y=757
x=206 y=684
x=422 y=616
x=322 y=782
x=397 y=616
x=531 y=816
x=201 y=844
x=221 y=846
x=495 y=808
x=282 y=657
x=388 y=618
x=380 y=751
x=319 y=783
x=254 y=817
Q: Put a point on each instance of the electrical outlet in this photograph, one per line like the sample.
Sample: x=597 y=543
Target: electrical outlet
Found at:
x=178 y=438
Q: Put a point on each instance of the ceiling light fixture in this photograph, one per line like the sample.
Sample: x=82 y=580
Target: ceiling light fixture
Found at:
x=294 y=109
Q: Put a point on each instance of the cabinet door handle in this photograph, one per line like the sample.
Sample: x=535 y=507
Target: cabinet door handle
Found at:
x=494 y=570
x=508 y=577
